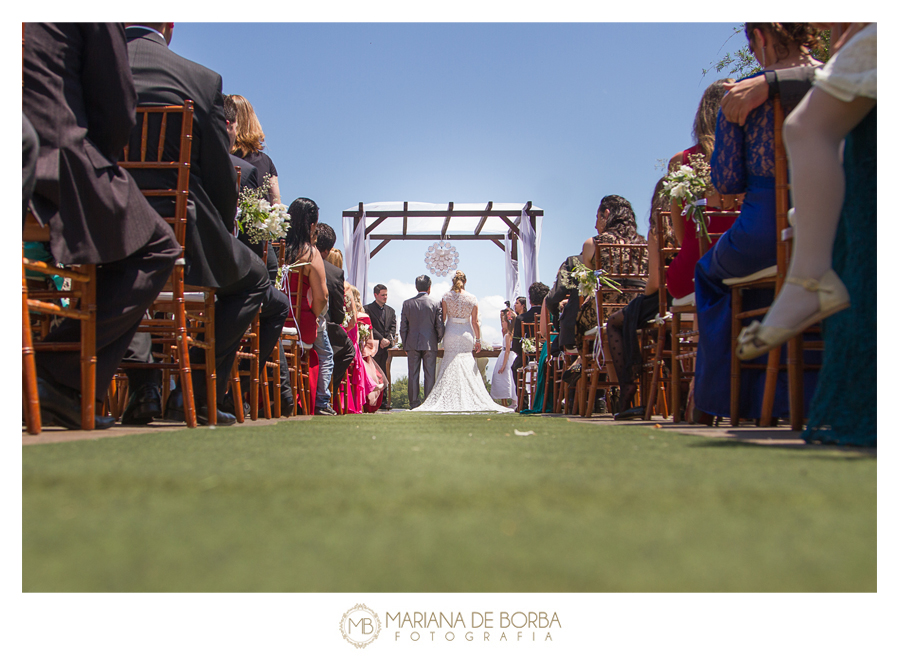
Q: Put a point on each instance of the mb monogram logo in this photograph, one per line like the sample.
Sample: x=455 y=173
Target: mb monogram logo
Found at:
x=360 y=626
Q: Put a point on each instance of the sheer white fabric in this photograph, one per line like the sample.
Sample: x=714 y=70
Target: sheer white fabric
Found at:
x=459 y=387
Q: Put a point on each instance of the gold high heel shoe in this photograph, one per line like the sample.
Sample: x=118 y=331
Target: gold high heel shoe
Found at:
x=758 y=339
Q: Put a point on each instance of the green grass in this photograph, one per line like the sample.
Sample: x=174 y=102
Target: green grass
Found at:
x=444 y=503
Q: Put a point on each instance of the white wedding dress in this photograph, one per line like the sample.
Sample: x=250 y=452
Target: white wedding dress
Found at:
x=459 y=387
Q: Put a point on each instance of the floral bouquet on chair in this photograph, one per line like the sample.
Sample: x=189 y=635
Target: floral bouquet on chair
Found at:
x=259 y=219
x=587 y=280
x=689 y=185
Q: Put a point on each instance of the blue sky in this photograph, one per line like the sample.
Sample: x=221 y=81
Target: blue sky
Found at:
x=560 y=114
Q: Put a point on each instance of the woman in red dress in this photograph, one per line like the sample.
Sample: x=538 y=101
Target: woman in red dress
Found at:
x=305 y=279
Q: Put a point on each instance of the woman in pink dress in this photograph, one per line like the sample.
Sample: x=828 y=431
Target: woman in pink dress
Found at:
x=374 y=381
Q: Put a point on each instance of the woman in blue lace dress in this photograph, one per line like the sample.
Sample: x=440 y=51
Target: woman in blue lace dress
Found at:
x=744 y=162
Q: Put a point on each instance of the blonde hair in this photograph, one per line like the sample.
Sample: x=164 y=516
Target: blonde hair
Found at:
x=336 y=258
x=357 y=298
x=250 y=135
x=459 y=281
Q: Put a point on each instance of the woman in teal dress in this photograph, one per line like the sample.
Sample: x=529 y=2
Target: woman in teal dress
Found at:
x=834 y=255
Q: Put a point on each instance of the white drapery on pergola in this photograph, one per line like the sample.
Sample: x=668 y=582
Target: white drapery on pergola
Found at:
x=504 y=224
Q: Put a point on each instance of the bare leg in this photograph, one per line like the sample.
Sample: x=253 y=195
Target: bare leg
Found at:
x=813 y=134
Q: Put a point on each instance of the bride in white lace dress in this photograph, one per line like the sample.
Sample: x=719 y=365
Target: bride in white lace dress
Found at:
x=459 y=386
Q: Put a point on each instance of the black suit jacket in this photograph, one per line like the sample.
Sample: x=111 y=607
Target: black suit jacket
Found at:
x=334 y=280
x=214 y=257
x=384 y=321
x=79 y=95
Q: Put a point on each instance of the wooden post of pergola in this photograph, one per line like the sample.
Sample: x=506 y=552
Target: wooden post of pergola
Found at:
x=442 y=221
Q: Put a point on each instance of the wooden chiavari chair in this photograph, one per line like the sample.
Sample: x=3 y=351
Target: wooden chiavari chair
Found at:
x=772 y=277
x=627 y=266
x=44 y=302
x=181 y=312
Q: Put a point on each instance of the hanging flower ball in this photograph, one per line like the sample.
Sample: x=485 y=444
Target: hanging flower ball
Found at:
x=441 y=257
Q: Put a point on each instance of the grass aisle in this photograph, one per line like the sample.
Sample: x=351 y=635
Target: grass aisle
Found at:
x=394 y=502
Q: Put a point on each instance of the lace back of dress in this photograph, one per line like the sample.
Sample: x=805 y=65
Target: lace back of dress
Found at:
x=459 y=304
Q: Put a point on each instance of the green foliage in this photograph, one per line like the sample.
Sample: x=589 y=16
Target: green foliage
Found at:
x=400 y=393
x=741 y=63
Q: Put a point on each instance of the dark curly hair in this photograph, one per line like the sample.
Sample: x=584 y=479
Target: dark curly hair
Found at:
x=620 y=211
x=786 y=34
x=536 y=292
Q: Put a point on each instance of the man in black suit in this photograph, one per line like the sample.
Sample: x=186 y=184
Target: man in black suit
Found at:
x=215 y=258
x=384 y=329
x=79 y=96
x=341 y=344
x=536 y=293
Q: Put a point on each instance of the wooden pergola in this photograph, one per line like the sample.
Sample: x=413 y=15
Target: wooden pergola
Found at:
x=509 y=214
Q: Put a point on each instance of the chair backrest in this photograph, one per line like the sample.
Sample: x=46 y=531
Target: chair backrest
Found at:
x=627 y=265
x=782 y=198
x=158 y=156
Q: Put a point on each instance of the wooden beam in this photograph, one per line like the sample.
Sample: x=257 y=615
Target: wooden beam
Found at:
x=511 y=225
x=378 y=248
x=499 y=244
x=447 y=221
x=405 y=210
x=432 y=236
x=371 y=214
x=375 y=224
x=484 y=218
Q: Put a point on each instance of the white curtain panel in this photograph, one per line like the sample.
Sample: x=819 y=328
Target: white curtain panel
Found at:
x=531 y=244
x=512 y=271
x=356 y=250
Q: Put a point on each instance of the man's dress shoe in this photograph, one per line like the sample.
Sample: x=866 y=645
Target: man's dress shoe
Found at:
x=61 y=405
x=144 y=404
x=175 y=411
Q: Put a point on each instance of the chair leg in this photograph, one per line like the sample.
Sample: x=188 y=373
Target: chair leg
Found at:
x=675 y=369
x=236 y=394
x=89 y=349
x=736 y=307
x=768 y=403
x=795 y=382
x=30 y=398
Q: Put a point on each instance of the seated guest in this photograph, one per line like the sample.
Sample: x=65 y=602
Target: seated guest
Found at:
x=334 y=276
x=215 y=258
x=78 y=95
x=831 y=138
x=680 y=276
x=276 y=302
x=622 y=326
x=308 y=282
x=616 y=224
x=536 y=293
x=743 y=162
x=373 y=378
x=250 y=141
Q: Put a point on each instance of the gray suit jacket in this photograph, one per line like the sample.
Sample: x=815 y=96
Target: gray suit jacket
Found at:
x=421 y=323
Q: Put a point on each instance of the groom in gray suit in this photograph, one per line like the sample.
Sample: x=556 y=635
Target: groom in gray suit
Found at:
x=421 y=329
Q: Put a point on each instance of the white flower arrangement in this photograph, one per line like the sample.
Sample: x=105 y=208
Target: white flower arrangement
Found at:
x=587 y=280
x=689 y=185
x=364 y=332
x=528 y=346
x=259 y=219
